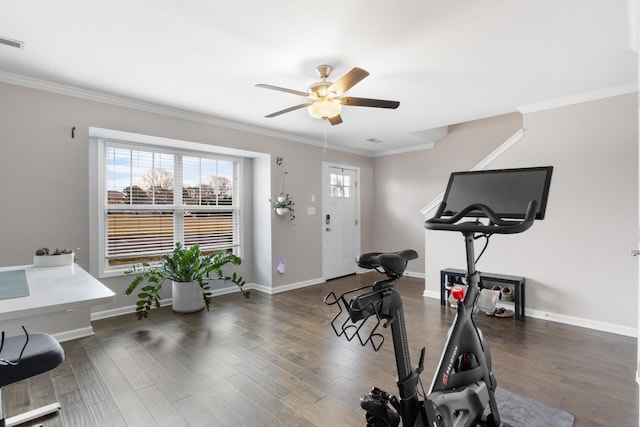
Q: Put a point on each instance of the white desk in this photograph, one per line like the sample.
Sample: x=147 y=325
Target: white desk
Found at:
x=59 y=302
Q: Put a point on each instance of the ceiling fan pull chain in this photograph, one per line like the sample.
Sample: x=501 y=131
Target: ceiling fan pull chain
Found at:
x=324 y=127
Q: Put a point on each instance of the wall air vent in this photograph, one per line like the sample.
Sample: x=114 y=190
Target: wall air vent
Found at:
x=10 y=42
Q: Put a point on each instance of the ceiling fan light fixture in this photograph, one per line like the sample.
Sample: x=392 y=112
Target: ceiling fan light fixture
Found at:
x=324 y=109
x=325 y=99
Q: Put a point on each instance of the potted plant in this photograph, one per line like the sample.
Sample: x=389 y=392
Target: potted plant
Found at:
x=190 y=273
x=284 y=205
x=45 y=258
x=284 y=201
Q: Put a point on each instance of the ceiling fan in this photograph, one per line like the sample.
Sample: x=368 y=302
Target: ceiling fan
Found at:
x=326 y=98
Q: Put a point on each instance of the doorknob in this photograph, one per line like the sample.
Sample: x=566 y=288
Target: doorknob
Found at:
x=328 y=228
x=635 y=252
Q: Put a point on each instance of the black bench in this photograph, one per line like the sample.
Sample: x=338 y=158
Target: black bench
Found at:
x=454 y=275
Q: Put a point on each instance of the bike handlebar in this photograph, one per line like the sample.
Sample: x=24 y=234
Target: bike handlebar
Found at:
x=496 y=224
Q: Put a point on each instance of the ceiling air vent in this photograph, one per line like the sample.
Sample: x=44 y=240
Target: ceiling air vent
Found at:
x=10 y=42
x=374 y=140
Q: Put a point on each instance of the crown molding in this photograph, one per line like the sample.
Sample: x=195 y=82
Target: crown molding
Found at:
x=579 y=98
x=119 y=101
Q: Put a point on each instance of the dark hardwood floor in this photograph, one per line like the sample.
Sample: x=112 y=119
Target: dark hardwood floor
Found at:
x=274 y=360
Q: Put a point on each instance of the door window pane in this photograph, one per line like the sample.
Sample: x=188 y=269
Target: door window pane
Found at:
x=340 y=185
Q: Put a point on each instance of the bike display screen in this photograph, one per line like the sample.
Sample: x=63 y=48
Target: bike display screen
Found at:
x=506 y=191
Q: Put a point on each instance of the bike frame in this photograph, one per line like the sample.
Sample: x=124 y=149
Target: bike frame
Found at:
x=464 y=337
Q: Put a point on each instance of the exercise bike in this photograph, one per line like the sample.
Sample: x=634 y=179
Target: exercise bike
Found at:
x=463 y=386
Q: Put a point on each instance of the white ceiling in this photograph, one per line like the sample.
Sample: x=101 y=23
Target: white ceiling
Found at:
x=445 y=61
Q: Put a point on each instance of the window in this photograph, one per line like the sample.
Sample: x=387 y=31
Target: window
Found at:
x=340 y=185
x=153 y=197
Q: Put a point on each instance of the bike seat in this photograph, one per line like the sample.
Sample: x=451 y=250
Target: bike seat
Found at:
x=394 y=262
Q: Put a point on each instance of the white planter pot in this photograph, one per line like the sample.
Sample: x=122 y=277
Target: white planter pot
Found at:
x=281 y=198
x=53 y=260
x=187 y=297
x=282 y=211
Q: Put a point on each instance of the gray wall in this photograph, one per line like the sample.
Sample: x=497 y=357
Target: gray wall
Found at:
x=576 y=267
x=577 y=261
x=45 y=189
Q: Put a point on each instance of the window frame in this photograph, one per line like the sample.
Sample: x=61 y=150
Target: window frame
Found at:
x=99 y=198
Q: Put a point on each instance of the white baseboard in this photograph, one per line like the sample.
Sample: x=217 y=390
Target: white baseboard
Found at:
x=73 y=334
x=584 y=323
x=568 y=320
x=120 y=311
x=289 y=287
x=105 y=314
x=431 y=294
x=414 y=274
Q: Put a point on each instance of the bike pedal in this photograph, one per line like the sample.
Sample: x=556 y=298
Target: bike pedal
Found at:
x=374 y=406
x=377 y=410
x=379 y=394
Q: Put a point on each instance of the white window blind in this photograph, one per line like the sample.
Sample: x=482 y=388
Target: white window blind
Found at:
x=156 y=197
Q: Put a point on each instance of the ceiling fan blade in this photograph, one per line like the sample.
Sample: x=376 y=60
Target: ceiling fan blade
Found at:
x=282 y=89
x=368 y=102
x=287 y=110
x=347 y=81
x=335 y=120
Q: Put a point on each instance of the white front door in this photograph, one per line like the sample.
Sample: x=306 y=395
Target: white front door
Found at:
x=340 y=205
